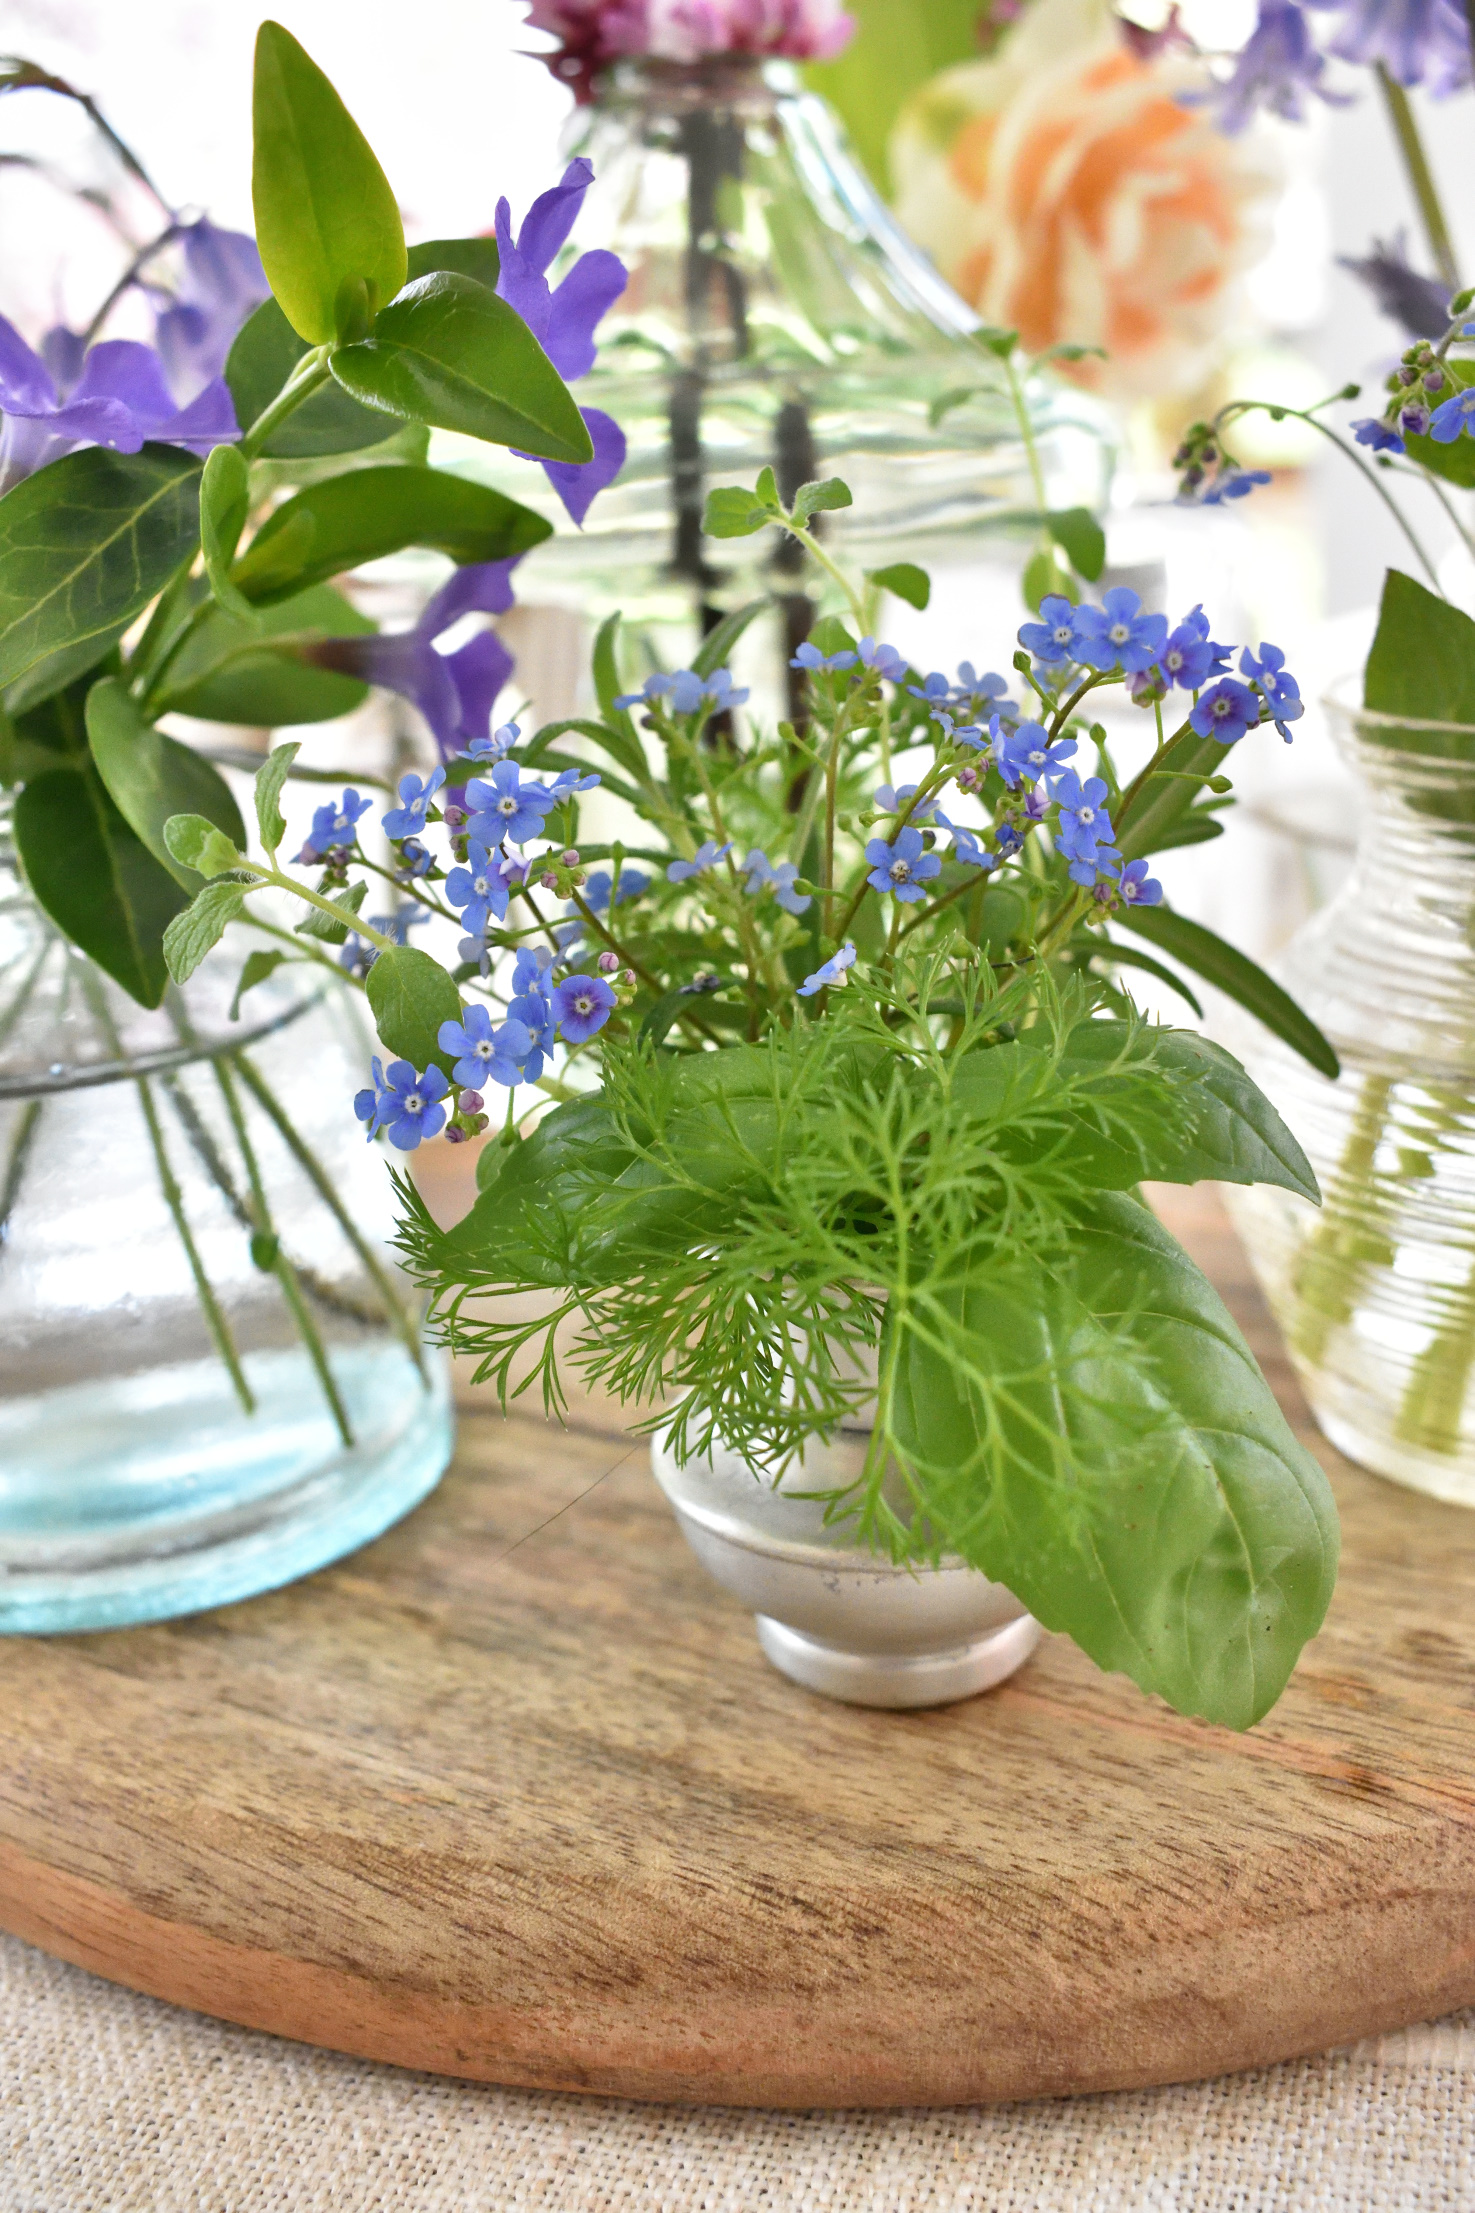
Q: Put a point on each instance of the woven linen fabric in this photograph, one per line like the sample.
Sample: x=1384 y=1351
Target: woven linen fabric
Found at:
x=113 y=2103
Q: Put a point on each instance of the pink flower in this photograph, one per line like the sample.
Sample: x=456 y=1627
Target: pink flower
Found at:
x=594 y=33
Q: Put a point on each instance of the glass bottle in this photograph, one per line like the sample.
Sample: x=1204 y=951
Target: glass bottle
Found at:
x=1375 y=1292
x=211 y=1375
x=777 y=316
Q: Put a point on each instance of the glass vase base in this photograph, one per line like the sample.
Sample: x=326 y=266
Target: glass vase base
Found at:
x=1452 y=1480
x=143 y=1497
x=898 y=1680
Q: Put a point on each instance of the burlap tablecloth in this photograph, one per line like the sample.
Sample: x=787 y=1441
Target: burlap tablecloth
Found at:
x=111 y=2103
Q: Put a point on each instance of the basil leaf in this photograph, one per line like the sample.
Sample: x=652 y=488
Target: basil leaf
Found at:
x=247 y=672
x=85 y=544
x=98 y=882
x=191 y=935
x=449 y=352
x=327 y=224
x=1094 y=1432
x=265 y=352
x=151 y=777
x=367 y=513
x=411 y=995
x=1236 y=975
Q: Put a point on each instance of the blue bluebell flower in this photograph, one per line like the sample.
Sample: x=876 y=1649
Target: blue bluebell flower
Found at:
x=503 y=805
x=1372 y=431
x=485 y=1051
x=966 y=847
x=480 y=889
x=582 y=1005
x=1058 y=635
x=832 y=975
x=1225 y=711
x=1454 y=415
x=761 y=874
x=1281 y=692
x=1027 y=754
x=455 y=692
x=821 y=664
x=333 y=826
x=406 y=1106
x=596 y=893
x=903 y=866
x=496 y=744
x=1118 y=634
x=1418 y=42
x=1083 y=825
x=407 y=820
x=1277 y=67
x=707 y=855
x=1190 y=657
x=890 y=800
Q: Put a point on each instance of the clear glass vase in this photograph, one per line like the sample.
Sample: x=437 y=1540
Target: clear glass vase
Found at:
x=1375 y=1292
x=211 y=1375
x=776 y=315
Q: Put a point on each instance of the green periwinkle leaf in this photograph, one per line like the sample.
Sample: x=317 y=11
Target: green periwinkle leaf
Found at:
x=151 y=777
x=410 y=996
x=469 y=257
x=225 y=501
x=196 y=932
x=450 y=353
x=327 y=223
x=1094 y=1432
x=85 y=544
x=265 y=352
x=96 y=879
x=247 y=672
x=366 y=513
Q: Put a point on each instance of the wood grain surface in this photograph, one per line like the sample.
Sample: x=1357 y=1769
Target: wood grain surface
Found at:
x=513 y=1795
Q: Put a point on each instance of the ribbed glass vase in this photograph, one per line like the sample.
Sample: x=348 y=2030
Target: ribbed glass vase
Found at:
x=1376 y=1291
x=776 y=315
x=211 y=1374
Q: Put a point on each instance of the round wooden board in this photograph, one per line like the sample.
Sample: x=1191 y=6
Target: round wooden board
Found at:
x=513 y=1795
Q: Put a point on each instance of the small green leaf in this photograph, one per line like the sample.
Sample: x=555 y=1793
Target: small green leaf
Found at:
x=766 y=491
x=1042 y=576
x=732 y=512
x=1236 y=975
x=716 y=647
x=225 y=502
x=999 y=342
x=367 y=513
x=1094 y=1432
x=98 y=882
x=326 y=219
x=265 y=352
x=317 y=924
x=151 y=777
x=1082 y=539
x=191 y=935
x=449 y=352
x=814 y=499
x=270 y=778
x=258 y=966
x=411 y=995
x=1422 y=662
x=197 y=844
x=469 y=257
x=247 y=672
x=85 y=544
x=908 y=582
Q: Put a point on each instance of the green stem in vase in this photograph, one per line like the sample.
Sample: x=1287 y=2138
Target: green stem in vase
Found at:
x=1429 y=1414
x=210 y=1305
x=1353 y=1234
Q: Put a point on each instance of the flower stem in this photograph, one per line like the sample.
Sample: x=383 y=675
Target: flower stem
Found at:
x=310 y=373
x=812 y=545
x=204 y=1290
x=1420 y=177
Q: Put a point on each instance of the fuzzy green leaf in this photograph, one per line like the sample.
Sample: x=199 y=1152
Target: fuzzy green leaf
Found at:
x=411 y=995
x=450 y=353
x=267 y=793
x=327 y=224
x=1094 y=1432
x=151 y=777
x=817 y=498
x=317 y=924
x=84 y=545
x=196 y=844
x=733 y=512
x=255 y=970
x=191 y=935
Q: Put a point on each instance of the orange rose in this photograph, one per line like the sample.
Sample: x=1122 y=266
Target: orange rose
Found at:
x=1068 y=194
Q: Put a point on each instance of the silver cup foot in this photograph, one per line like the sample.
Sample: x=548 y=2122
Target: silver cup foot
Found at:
x=899 y=1679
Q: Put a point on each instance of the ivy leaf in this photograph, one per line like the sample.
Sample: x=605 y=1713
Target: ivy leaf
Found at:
x=98 y=882
x=450 y=353
x=267 y=791
x=327 y=224
x=225 y=502
x=257 y=967
x=367 y=513
x=733 y=512
x=1081 y=538
x=85 y=544
x=1094 y=1432
x=814 y=499
x=411 y=995
x=908 y=582
x=247 y=671
x=191 y=935
x=151 y=777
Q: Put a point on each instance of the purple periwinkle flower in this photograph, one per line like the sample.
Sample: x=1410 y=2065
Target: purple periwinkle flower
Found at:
x=119 y=398
x=903 y=866
x=221 y=282
x=1058 y=635
x=831 y=975
x=582 y=1005
x=406 y=1106
x=1418 y=42
x=564 y=320
x=1225 y=711
x=407 y=820
x=485 y=1052
x=455 y=692
x=707 y=855
x=1118 y=634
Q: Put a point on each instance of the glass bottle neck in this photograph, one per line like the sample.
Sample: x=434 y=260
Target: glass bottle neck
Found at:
x=738 y=84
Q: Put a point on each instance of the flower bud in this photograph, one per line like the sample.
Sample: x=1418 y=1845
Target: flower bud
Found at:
x=470 y=1102
x=454 y=1136
x=570 y=859
x=1434 y=379
x=607 y=963
x=967 y=779
x=480 y=1124
x=627 y=978
x=454 y=816
x=548 y=880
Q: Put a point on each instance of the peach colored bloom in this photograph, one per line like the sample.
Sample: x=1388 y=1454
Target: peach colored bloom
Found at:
x=1068 y=194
